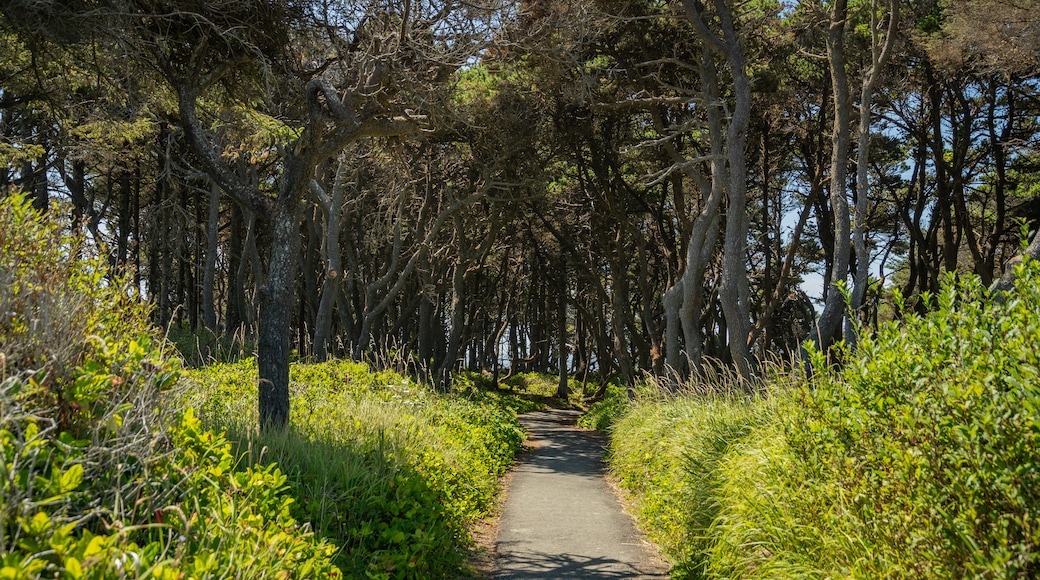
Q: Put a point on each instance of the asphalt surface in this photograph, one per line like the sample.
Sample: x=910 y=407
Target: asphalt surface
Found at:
x=561 y=519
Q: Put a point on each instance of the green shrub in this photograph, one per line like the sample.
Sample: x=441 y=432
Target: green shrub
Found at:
x=392 y=470
x=917 y=459
x=96 y=480
x=924 y=448
x=602 y=415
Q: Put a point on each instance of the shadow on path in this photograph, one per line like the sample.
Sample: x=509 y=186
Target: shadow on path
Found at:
x=561 y=519
x=530 y=565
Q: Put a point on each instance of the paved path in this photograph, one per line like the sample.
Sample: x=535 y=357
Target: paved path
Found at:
x=561 y=519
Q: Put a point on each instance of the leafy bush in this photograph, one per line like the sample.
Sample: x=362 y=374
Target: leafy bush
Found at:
x=604 y=413
x=96 y=481
x=918 y=459
x=924 y=448
x=390 y=469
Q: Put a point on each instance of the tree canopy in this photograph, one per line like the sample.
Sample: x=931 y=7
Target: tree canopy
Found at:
x=576 y=187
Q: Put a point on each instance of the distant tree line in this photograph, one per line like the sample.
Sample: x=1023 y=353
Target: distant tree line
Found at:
x=571 y=187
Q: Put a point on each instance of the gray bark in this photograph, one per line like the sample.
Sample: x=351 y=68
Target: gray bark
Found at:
x=685 y=300
x=830 y=322
x=276 y=310
x=562 y=388
x=458 y=319
x=332 y=208
x=880 y=52
x=672 y=302
x=735 y=291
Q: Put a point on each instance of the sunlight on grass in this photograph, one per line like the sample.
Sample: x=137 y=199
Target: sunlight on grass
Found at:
x=390 y=470
x=917 y=459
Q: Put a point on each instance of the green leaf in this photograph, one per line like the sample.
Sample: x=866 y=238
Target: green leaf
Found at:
x=73 y=567
x=96 y=546
x=71 y=479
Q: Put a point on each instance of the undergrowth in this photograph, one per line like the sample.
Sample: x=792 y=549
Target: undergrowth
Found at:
x=389 y=470
x=96 y=479
x=522 y=392
x=917 y=459
x=107 y=471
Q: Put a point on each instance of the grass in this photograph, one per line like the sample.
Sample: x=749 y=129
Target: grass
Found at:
x=108 y=471
x=916 y=459
x=387 y=469
x=666 y=451
x=99 y=478
x=522 y=392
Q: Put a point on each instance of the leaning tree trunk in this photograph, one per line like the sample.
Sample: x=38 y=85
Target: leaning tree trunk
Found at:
x=735 y=291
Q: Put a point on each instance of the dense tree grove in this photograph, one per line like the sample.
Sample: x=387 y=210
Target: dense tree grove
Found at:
x=587 y=186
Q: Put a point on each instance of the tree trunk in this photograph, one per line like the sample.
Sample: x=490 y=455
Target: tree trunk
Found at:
x=686 y=296
x=672 y=302
x=563 y=390
x=332 y=208
x=209 y=311
x=234 y=313
x=830 y=322
x=458 y=319
x=276 y=311
x=880 y=54
x=735 y=291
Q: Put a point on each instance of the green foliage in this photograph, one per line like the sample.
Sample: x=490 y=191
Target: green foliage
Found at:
x=666 y=451
x=603 y=414
x=519 y=393
x=96 y=481
x=389 y=469
x=192 y=513
x=67 y=326
x=926 y=443
x=916 y=459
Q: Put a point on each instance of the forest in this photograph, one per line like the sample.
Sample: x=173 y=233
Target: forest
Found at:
x=589 y=188
x=425 y=196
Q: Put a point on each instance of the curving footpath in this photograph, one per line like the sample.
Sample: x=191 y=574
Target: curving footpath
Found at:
x=561 y=519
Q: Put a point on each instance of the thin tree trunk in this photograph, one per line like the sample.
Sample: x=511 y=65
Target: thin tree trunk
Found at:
x=830 y=322
x=880 y=54
x=209 y=311
x=332 y=208
x=458 y=319
x=234 y=313
x=563 y=390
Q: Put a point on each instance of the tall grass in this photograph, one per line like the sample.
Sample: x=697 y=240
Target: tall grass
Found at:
x=920 y=458
x=666 y=449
